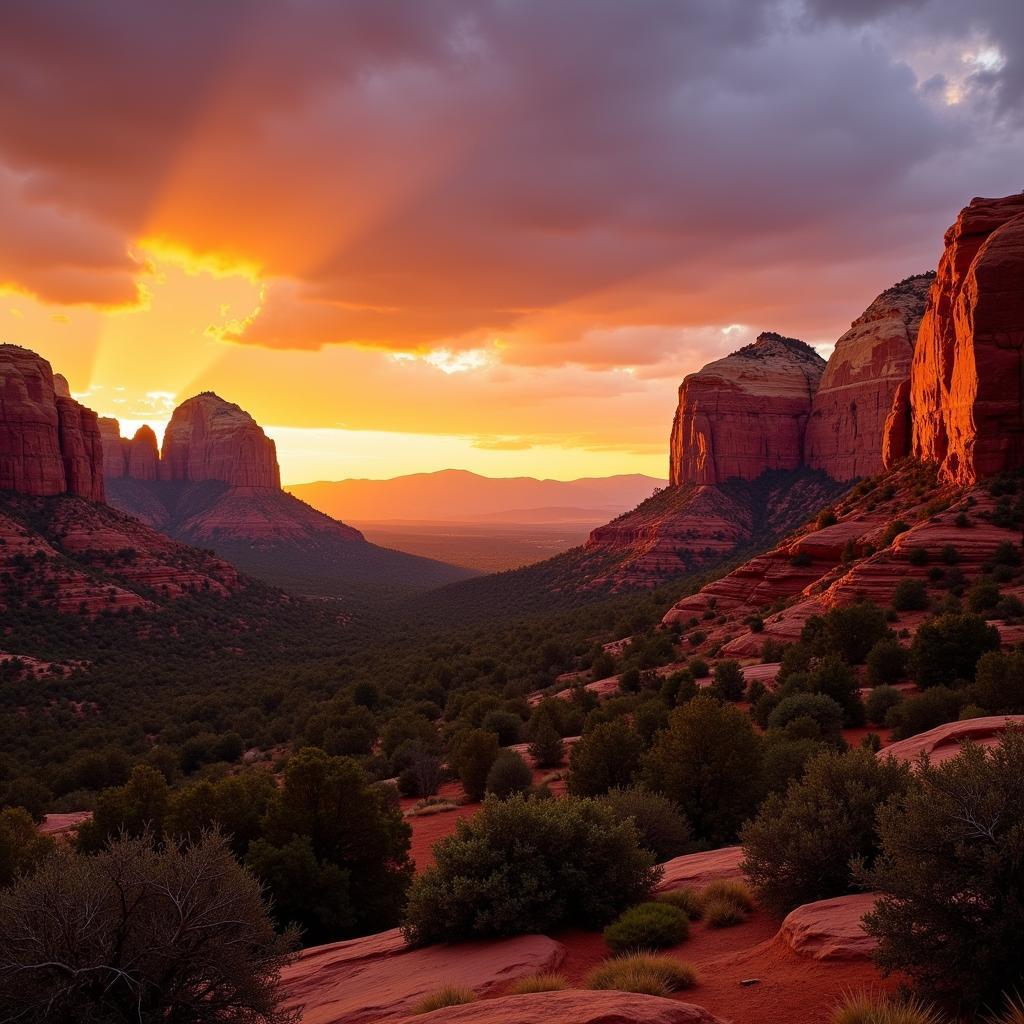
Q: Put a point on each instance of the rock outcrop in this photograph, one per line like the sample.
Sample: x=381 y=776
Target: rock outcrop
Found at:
x=944 y=741
x=49 y=443
x=849 y=411
x=698 y=869
x=745 y=414
x=831 y=929
x=143 y=456
x=379 y=978
x=115 y=448
x=966 y=395
x=211 y=439
x=570 y=1007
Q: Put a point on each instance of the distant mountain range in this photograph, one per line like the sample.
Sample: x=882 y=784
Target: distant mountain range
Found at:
x=458 y=496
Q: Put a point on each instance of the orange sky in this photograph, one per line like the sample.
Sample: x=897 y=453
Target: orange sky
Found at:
x=486 y=235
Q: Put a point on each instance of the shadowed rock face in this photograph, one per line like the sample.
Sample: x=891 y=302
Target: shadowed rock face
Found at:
x=849 y=411
x=745 y=414
x=49 y=443
x=965 y=403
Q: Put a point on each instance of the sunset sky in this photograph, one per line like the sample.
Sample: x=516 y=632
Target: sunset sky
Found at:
x=489 y=234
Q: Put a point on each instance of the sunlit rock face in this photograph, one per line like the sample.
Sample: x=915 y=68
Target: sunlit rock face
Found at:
x=745 y=414
x=49 y=443
x=211 y=439
x=964 y=408
x=848 y=415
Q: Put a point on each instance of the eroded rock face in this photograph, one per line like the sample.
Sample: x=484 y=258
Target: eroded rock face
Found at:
x=745 y=414
x=849 y=411
x=698 y=869
x=211 y=439
x=571 y=1007
x=944 y=741
x=115 y=448
x=143 y=461
x=967 y=375
x=378 y=978
x=49 y=444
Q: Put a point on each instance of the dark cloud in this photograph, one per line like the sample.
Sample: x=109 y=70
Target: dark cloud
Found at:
x=411 y=174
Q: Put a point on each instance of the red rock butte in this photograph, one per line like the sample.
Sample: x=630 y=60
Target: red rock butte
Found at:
x=963 y=407
x=49 y=443
x=745 y=414
x=850 y=407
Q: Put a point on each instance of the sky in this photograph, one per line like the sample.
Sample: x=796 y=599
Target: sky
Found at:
x=483 y=234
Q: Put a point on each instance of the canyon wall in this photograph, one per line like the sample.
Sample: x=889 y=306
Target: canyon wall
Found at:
x=963 y=406
x=745 y=414
x=49 y=443
x=848 y=415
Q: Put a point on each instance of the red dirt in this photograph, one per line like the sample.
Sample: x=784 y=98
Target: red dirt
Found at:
x=791 y=989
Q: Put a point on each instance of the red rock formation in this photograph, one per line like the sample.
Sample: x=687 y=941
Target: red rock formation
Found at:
x=49 y=444
x=848 y=414
x=143 y=455
x=378 y=978
x=210 y=439
x=967 y=376
x=831 y=929
x=81 y=449
x=698 y=869
x=899 y=426
x=745 y=414
x=115 y=448
x=944 y=741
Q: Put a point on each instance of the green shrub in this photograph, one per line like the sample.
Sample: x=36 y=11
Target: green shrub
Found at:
x=949 y=876
x=799 y=847
x=647 y=926
x=698 y=666
x=849 y=631
x=22 y=848
x=816 y=706
x=892 y=531
x=832 y=677
x=686 y=899
x=910 y=595
x=527 y=865
x=448 y=995
x=659 y=822
x=605 y=757
x=472 y=755
x=983 y=596
x=729 y=680
x=547 y=749
x=878 y=703
x=507 y=726
x=709 y=762
x=886 y=662
x=999 y=683
x=640 y=972
x=917 y=556
x=948 y=647
x=924 y=711
x=509 y=774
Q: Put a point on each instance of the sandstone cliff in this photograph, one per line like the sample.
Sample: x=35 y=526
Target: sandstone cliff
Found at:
x=49 y=443
x=964 y=408
x=745 y=414
x=849 y=411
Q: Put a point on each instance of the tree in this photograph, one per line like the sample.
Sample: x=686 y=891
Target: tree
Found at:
x=924 y=711
x=999 y=682
x=800 y=846
x=523 y=865
x=910 y=595
x=880 y=700
x=659 y=822
x=887 y=662
x=509 y=774
x=834 y=678
x=949 y=871
x=335 y=849
x=423 y=773
x=729 y=680
x=849 y=631
x=547 y=749
x=472 y=755
x=822 y=710
x=235 y=804
x=137 y=807
x=709 y=762
x=22 y=848
x=947 y=648
x=506 y=724
x=135 y=933
x=605 y=757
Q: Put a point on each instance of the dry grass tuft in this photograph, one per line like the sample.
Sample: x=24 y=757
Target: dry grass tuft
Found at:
x=641 y=972
x=547 y=981
x=449 y=995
